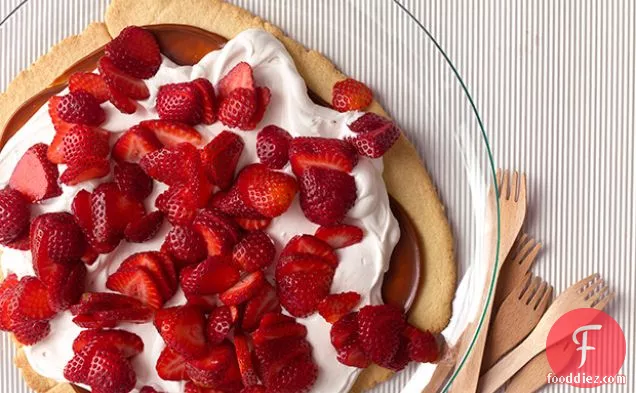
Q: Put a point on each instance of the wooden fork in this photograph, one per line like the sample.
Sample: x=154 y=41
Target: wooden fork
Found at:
x=518 y=315
x=585 y=293
x=532 y=376
x=512 y=212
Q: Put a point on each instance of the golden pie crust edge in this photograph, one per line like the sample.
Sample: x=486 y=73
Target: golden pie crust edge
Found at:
x=404 y=173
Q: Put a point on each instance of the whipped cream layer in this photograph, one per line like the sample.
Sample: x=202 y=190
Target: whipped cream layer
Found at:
x=362 y=266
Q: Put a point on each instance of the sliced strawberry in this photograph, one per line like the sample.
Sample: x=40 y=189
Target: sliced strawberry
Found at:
x=230 y=203
x=241 y=76
x=345 y=331
x=218 y=231
x=34 y=176
x=126 y=343
x=299 y=263
x=267 y=191
x=306 y=152
x=179 y=204
x=154 y=263
x=242 y=346
x=97 y=310
x=350 y=95
x=183 y=329
x=90 y=83
x=8 y=284
x=238 y=108
x=298 y=375
x=352 y=355
x=169 y=268
x=145 y=228
x=185 y=244
x=135 y=143
x=116 y=79
x=401 y=358
x=301 y=292
x=220 y=158
x=326 y=195
x=244 y=290
x=380 y=329
x=173 y=165
x=263 y=97
x=249 y=224
x=57 y=237
x=81 y=208
x=90 y=255
x=212 y=276
x=30 y=332
x=14 y=215
x=422 y=345
x=111 y=212
x=121 y=101
x=254 y=252
x=138 y=283
x=217 y=369
x=55 y=152
x=272 y=146
x=61 y=127
x=275 y=318
x=132 y=180
x=91 y=302
x=264 y=302
x=108 y=371
x=83 y=169
x=80 y=107
x=135 y=51
x=281 y=330
x=308 y=244
x=172 y=133
x=180 y=102
x=207 y=303
x=254 y=389
x=76 y=370
x=334 y=306
x=273 y=355
x=220 y=321
x=171 y=366
x=340 y=236
x=33 y=299
x=149 y=389
x=22 y=242
x=375 y=136
x=208 y=100
x=65 y=285
x=83 y=141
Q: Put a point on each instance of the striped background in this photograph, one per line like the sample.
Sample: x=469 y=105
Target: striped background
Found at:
x=554 y=83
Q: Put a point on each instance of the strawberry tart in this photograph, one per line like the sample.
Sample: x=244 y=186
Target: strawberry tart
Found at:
x=205 y=225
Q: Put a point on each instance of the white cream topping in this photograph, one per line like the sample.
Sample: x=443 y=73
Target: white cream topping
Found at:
x=361 y=268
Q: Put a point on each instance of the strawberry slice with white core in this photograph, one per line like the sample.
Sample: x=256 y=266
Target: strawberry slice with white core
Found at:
x=244 y=290
x=183 y=329
x=241 y=76
x=340 y=236
x=172 y=133
x=134 y=144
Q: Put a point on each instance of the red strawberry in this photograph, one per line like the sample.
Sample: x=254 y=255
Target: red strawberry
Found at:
x=61 y=127
x=242 y=346
x=83 y=141
x=267 y=191
x=57 y=237
x=306 y=152
x=208 y=100
x=108 y=371
x=309 y=244
x=179 y=102
x=401 y=358
x=91 y=302
x=90 y=255
x=65 y=285
x=220 y=321
x=272 y=146
x=22 y=242
x=172 y=133
x=179 y=204
x=214 y=275
x=422 y=345
x=375 y=136
x=76 y=370
x=30 y=332
x=34 y=176
x=90 y=83
x=121 y=101
x=303 y=263
x=135 y=143
x=145 y=228
x=238 y=108
x=264 y=302
x=132 y=180
x=220 y=158
x=126 y=343
x=263 y=97
x=111 y=212
x=185 y=245
x=156 y=264
x=254 y=389
x=81 y=208
x=278 y=331
x=14 y=215
x=326 y=195
x=380 y=330
x=100 y=310
x=171 y=366
x=298 y=375
x=254 y=252
x=241 y=76
x=183 y=329
x=230 y=203
x=137 y=282
x=350 y=95
x=253 y=224
x=345 y=331
x=352 y=355
x=206 y=303
x=32 y=299
x=274 y=319
x=244 y=290
x=219 y=232
x=120 y=81
x=340 y=236
x=173 y=165
x=83 y=169
x=273 y=355
x=148 y=389
x=80 y=108
x=333 y=307
x=135 y=51
x=218 y=369
x=301 y=292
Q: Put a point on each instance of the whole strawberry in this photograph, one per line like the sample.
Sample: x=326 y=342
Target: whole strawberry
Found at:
x=135 y=51
x=180 y=102
x=351 y=95
x=14 y=215
x=81 y=107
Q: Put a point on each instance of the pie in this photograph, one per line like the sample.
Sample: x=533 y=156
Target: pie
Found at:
x=208 y=227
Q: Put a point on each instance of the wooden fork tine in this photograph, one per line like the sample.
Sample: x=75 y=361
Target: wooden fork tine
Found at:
x=504 y=191
x=524 y=286
x=521 y=196
x=545 y=300
x=598 y=294
x=529 y=253
x=589 y=291
x=532 y=290
x=539 y=294
x=604 y=301
x=580 y=285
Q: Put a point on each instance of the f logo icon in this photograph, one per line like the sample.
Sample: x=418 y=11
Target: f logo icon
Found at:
x=583 y=343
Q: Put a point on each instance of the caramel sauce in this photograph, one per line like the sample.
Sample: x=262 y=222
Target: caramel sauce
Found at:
x=186 y=45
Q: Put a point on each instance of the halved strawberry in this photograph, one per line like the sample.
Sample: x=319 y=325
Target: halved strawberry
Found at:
x=14 y=215
x=422 y=345
x=326 y=195
x=345 y=331
x=65 y=285
x=149 y=389
x=91 y=302
x=153 y=261
x=22 y=242
x=278 y=331
x=32 y=299
x=135 y=143
x=61 y=127
x=208 y=100
x=171 y=366
x=297 y=374
x=90 y=255
x=275 y=318
x=179 y=204
x=220 y=321
x=220 y=158
x=350 y=95
x=254 y=389
x=217 y=369
x=340 y=236
x=185 y=245
x=273 y=355
x=298 y=263
x=121 y=101
x=179 y=102
x=242 y=346
x=34 y=176
x=212 y=276
x=183 y=329
x=241 y=76
x=272 y=146
x=230 y=203
x=85 y=168
x=263 y=97
x=380 y=331
x=82 y=212
x=57 y=237
x=375 y=136
x=126 y=343
x=111 y=212
x=301 y=292
x=173 y=165
x=90 y=83
x=83 y=141
x=172 y=133
x=218 y=231
x=264 y=302
x=254 y=252
x=249 y=224
x=108 y=371
x=80 y=107
x=305 y=152
x=206 y=303
x=145 y=228
x=135 y=51
x=267 y=191
x=309 y=244
x=238 y=108
x=120 y=81
x=334 y=306
x=137 y=282
x=132 y=180
x=100 y=310
x=351 y=354
x=30 y=332
x=245 y=289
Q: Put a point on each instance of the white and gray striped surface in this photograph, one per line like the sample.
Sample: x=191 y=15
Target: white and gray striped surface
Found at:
x=554 y=83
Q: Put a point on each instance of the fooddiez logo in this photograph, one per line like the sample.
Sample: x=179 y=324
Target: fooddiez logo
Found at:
x=586 y=348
